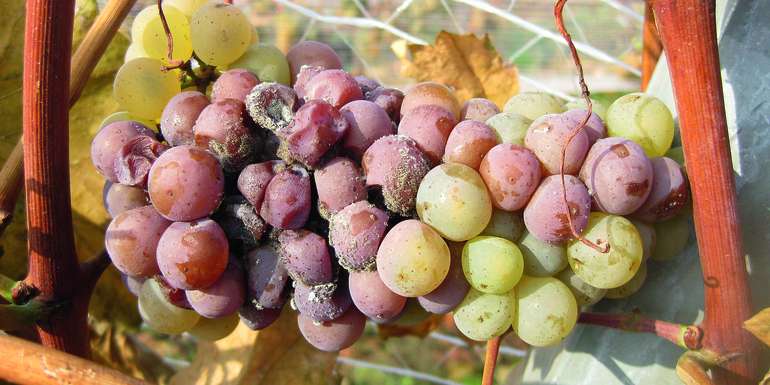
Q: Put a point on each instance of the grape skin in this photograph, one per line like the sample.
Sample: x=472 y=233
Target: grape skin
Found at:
x=505 y=224
x=373 y=298
x=306 y=257
x=338 y=183
x=389 y=99
x=511 y=173
x=596 y=107
x=316 y=127
x=311 y=53
x=267 y=278
x=131 y=240
x=161 y=315
x=193 y=255
x=546 y=311
x=483 y=316
x=332 y=336
x=142 y=87
x=546 y=137
x=644 y=119
x=224 y=297
x=585 y=294
x=429 y=126
x=669 y=194
x=478 y=109
x=179 y=116
x=355 y=233
x=221 y=33
x=452 y=290
x=213 y=329
x=333 y=86
x=368 y=122
x=491 y=264
x=110 y=140
x=533 y=105
x=118 y=198
x=510 y=127
x=546 y=214
x=468 y=143
x=233 y=84
x=648 y=236
x=430 y=93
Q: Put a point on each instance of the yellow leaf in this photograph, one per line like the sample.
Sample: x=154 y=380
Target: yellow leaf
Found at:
x=759 y=325
x=469 y=64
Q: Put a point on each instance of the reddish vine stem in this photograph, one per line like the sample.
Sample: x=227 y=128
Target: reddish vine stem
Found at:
x=586 y=94
x=490 y=361
x=172 y=64
x=687 y=336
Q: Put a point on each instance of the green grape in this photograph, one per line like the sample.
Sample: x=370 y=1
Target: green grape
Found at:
x=267 y=62
x=505 y=224
x=671 y=237
x=147 y=32
x=492 y=264
x=160 y=314
x=510 y=127
x=134 y=51
x=647 y=233
x=542 y=259
x=585 y=294
x=483 y=316
x=212 y=329
x=123 y=115
x=619 y=264
x=546 y=311
x=677 y=154
x=221 y=33
x=534 y=104
x=188 y=7
x=142 y=87
x=643 y=119
x=597 y=107
x=630 y=287
x=413 y=314
x=453 y=199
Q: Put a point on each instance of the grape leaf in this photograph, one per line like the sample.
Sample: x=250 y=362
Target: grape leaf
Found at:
x=759 y=325
x=469 y=64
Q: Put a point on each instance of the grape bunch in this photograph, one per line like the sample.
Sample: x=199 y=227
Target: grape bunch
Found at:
x=245 y=180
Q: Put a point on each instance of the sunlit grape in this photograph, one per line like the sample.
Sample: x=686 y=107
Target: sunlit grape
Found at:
x=221 y=33
x=482 y=316
x=160 y=314
x=546 y=311
x=492 y=264
x=142 y=87
x=534 y=104
x=643 y=119
x=147 y=31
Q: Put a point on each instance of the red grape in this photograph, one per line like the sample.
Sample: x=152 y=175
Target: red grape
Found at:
x=546 y=215
x=314 y=53
x=110 y=140
x=287 y=199
x=368 y=122
x=306 y=257
x=135 y=159
x=332 y=336
x=389 y=99
x=356 y=233
x=548 y=134
x=452 y=290
x=669 y=194
x=322 y=302
x=220 y=128
x=338 y=183
x=253 y=181
x=429 y=126
x=478 y=109
x=179 y=115
x=468 y=142
x=222 y=298
x=258 y=319
x=373 y=298
x=316 y=127
x=430 y=93
x=511 y=173
x=594 y=128
x=132 y=238
x=267 y=278
x=366 y=84
x=303 y=78
x=233 y=84
x=333 y=86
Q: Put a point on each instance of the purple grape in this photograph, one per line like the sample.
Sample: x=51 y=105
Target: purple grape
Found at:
x=511 y=173
x=546 y=215
x=332 y=336
x=253 y=181
x=179 y=116
x=618 y=175
x=429 y=126
x=272 y=105
x=220 y=128
x=389 y=99
x=303 y=78
x=339 y=183
x=322 y=302
x=478 y=109
x=132 y=284
x=118 y=198
x=267 y=278
x=233 y=84
x=313 y=53
x=110 y=140
x=355 y=233
x=468 y=142
x=240 y=221
x=368 y=122
x=132 y=238
x=452 y=290
x=192 y=255
x=333 y=86
x=287 y=199
x=222 y=298
x=366 y=84
x=135 y=159
x=594 y=128
x=306 y=256
x=548 y=134
x=373 y=298
x=669 y=194
x=316 y=127
x=258 y=319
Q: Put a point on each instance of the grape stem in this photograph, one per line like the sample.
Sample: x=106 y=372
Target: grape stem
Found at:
x=687 y=336
x=490 y=361
x=172 y=64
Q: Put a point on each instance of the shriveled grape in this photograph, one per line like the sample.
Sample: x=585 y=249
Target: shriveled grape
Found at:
x=267 y=278
x=253 y=181
x=356 y=232
x=221 y=129
x=316 y=127
x=333 y=86
x=272 y=105
x=108 y=142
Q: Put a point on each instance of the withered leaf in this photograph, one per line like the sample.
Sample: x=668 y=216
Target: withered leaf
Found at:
x=759 y=325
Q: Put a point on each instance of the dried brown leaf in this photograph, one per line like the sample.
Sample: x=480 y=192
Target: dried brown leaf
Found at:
x=759 y=325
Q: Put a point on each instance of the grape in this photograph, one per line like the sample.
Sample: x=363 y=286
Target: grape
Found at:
x=221 y=33
x=491 y=264
x=366 y=84
x=355 y=233
x=412 y=315
x=510 y=127
x=618 y=175
x=272 y=105
x=395 y=163
x=546 y=137
x=594 y=128
x=332 y=336
x=546 y=214
x=188 y=7
x=596 y=107
x=213 y=329
x=619 y=264
x=322 y=302
x=468 y=142
x=311 y=53
x=131 y=240
x=505 y=224
x=430 y=93
x=147 y=31
x=671 y=238
x=303 y=78
x=240 y=221
x=176 y=297
x=533 y=105
x=134 y=51
x=453 y=200
x=546 y=311
x=110 y=140
x=123 y=115
x=511 y=173
x=267 y=278
x=412 y=260
x=267 y=62
x=429 y=126
x=253 y=181
x=161 y=315
x=373 y=298
x=368 y=122
x=631 y=287
x=135 y=158
x=541 y=259
x=676 y=154
x=258 y=319
x=316 y=127
x=669 y=193
x=643 y=119
x=389 y=99
x=142 y=87
x=306 y=257
x=193 y=255
x=287 y=199
x=585 y=294
x=220 y=128
x=119 y=198
x=179 y=116
x=185 y=183
x=224 y=297
x=233 y=84
x=483 y=316
x=133 y=284
x=478 y=109
x=648 y=236
x=339 y=183
x=452 y=290
x=333 y=86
